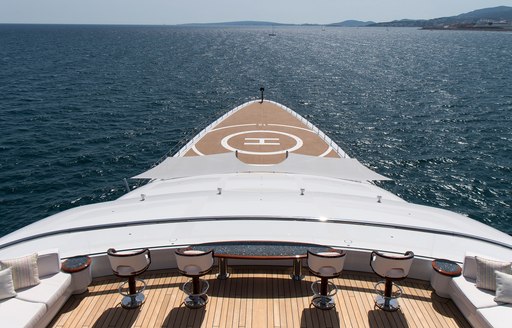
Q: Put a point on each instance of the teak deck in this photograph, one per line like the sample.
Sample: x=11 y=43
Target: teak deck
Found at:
x=257 y=297
x=262 y=133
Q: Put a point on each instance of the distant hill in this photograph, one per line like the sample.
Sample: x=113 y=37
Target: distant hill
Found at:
x=352 y=23
x=466 y=20
x=492 y=14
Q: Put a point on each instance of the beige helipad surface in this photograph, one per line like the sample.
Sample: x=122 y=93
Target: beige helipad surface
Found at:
x=262 y=133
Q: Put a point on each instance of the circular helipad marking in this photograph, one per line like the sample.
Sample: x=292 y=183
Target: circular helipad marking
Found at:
x=225 y=143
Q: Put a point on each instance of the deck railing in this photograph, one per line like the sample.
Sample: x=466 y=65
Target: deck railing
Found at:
x=304 y=121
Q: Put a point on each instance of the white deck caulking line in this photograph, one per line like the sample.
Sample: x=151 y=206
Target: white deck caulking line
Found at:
x=294 y=127
x=232 y=126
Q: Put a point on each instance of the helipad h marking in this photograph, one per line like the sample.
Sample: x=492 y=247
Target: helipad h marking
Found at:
x=298 y=142
x=262 y=142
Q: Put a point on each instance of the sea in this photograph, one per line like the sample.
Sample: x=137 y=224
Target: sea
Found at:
x=83 y=107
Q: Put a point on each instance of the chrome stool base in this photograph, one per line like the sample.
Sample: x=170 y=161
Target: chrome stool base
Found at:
x=132 y=301
x=387 y=303
x=323 y=302
x=196 y=301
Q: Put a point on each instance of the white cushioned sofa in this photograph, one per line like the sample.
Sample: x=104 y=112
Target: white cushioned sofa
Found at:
x=35 y=306
x=477 y=304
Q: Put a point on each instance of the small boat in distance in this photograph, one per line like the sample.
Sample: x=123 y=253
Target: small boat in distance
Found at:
x=262 y=178
x=272 y=33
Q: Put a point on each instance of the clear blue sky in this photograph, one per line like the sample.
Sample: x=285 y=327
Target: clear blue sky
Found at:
x=207 y=11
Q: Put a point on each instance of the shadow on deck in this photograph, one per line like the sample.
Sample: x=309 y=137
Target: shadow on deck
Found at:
x=257 y=297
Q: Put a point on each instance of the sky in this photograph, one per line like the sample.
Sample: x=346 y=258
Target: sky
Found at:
x=210 y=11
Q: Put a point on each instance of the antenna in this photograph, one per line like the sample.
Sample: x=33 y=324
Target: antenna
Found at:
x=262 y=89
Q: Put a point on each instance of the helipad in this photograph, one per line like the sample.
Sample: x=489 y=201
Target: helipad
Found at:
x=262 y=133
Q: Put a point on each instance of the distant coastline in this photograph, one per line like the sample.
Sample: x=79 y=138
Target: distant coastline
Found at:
x=467 y=28
x=488 y=19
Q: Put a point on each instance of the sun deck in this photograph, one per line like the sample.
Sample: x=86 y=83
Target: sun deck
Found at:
x=257 y=297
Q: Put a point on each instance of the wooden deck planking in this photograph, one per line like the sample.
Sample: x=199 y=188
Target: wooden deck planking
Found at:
x=257 y=297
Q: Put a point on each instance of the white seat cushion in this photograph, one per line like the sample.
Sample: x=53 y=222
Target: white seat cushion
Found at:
x=193 y=252
x=330 y=254
x=497 y=316
x=464 y=290
x=16 y=313
x=48 y=291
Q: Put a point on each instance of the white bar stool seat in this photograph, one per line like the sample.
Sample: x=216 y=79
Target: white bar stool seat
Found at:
x=129 y=264
x=194 y=264
x=391 y=267
x=325 y=265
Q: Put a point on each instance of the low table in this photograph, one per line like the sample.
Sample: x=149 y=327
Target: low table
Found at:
x=261 y=250
x=80 y=269
x=444 y=271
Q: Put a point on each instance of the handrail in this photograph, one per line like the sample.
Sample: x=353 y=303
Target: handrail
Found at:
x=275 y=219
x=312 y=127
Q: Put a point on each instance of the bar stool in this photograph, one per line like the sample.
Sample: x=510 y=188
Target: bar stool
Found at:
x=129 y=264
x=391 y=267
x=194 y=264
x=325 y=265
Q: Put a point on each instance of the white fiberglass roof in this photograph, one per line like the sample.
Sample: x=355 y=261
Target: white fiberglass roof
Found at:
x=260 y=206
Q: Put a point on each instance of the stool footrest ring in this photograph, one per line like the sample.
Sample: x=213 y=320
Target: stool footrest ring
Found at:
x=132 y=301
x=323 y=302
x=387 y=303
x=331 y=288
x=196 y=301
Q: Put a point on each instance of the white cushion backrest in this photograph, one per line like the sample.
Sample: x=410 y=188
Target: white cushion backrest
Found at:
x=48 y=262
x=136 y=261
x=382 y=265
x=469 y=266
x=203 y=262
x=315 y=262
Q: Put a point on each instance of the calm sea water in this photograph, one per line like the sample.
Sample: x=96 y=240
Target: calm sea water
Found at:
x=82 y=107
